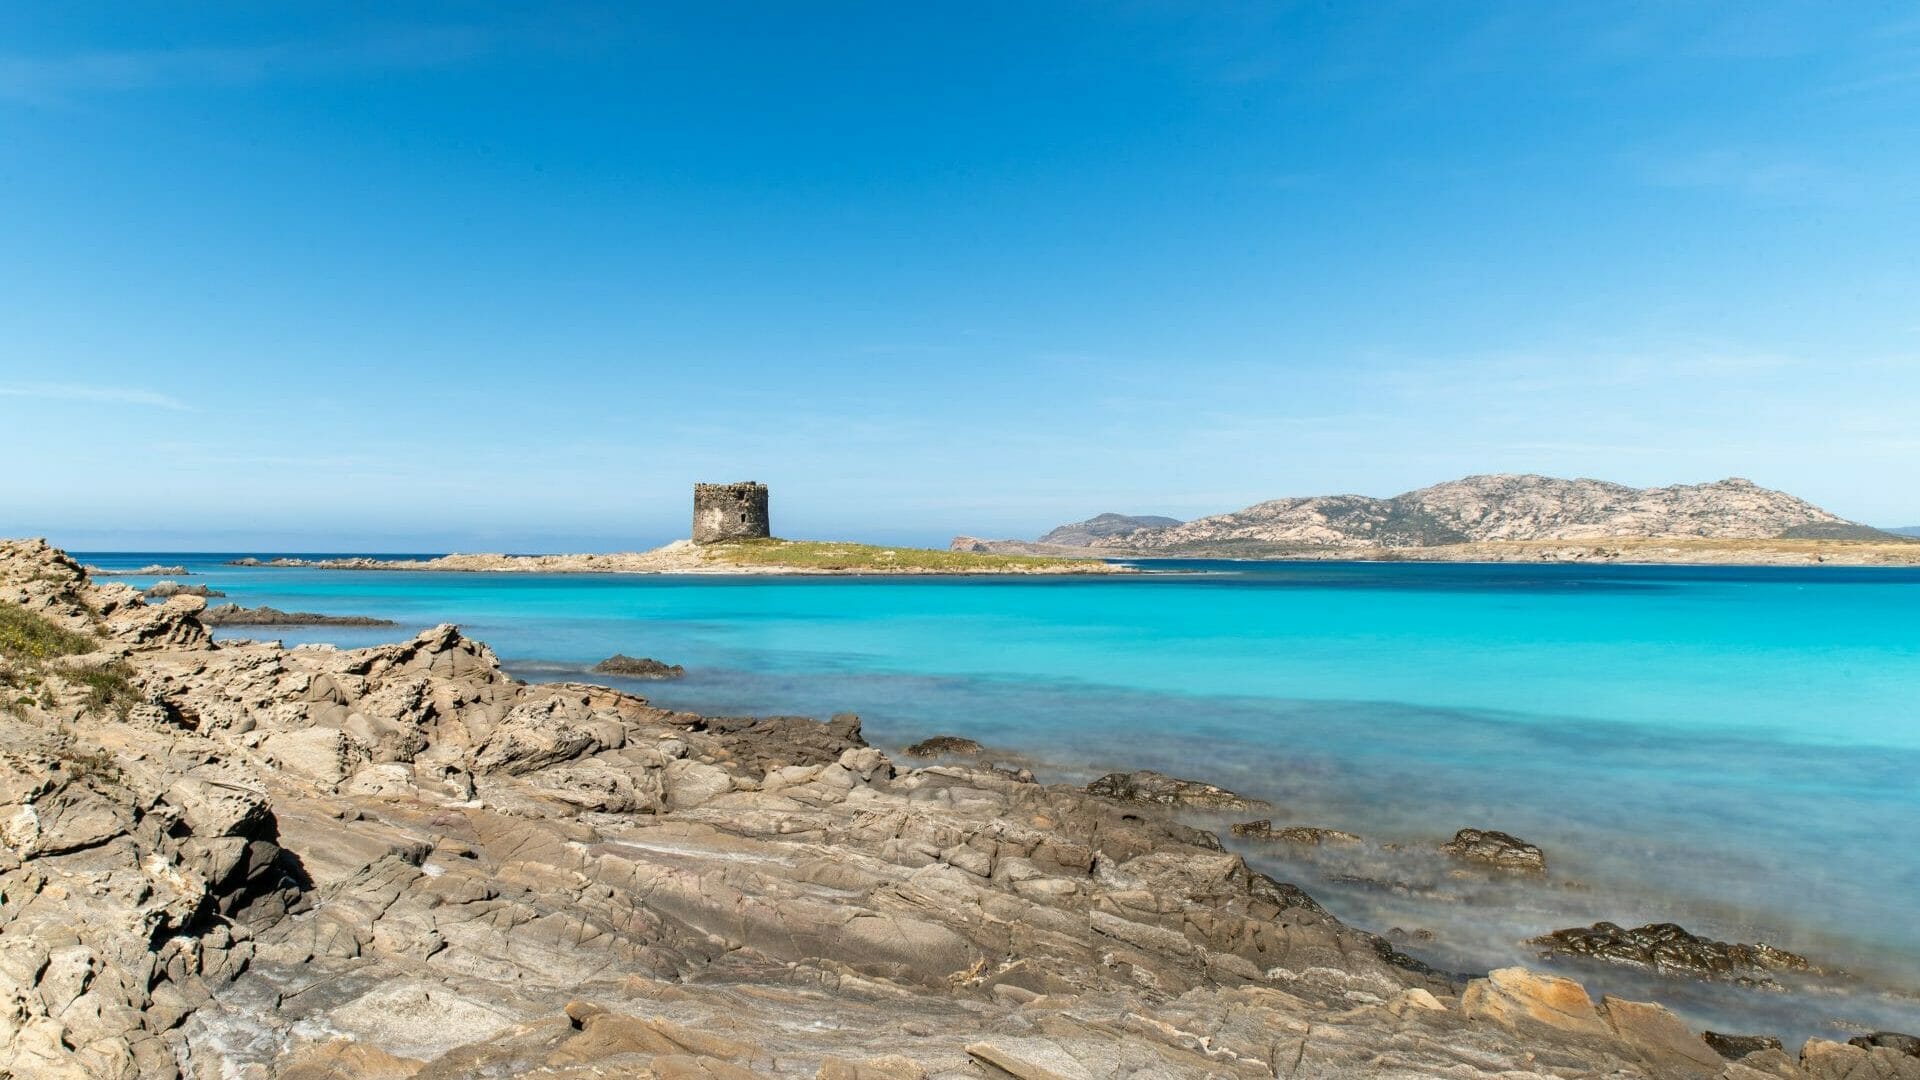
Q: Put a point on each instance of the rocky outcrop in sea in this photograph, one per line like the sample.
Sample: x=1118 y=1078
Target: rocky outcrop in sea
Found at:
x=1497 y=507
x=237 y=859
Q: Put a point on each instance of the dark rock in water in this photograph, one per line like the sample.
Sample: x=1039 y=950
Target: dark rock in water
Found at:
x=1671 y=950
x=1735 y=1047
x=1148 y=788
x=638 y=667
x=161 y=590
x=1892 y=1040
x=1312 y=834
x=235 y=615
x=1293 y=834
x=1504 y=850
x=771 y=742
x=944 y=744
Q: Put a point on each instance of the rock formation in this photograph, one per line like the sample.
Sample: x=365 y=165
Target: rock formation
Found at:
x=162 y=590
x=939 y=745
x=236 y=859
x=1672 y=950
x=638 y=667
x=1504 y=850
x=1495 y=508
x=1099 y=527
x=235 y=615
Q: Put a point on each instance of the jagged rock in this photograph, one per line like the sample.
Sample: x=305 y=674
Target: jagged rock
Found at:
x=940 y=745
x=1891 y=1040
x=638 y=667
x=220 y=800
x=1735 y=1047
x=1670 y=950
x=888 y=1067
x=162 y=590
x=1148 y=788
x=235 y=615
x=1825 y=1060
x=1294 y=834
x=1515 y=995
x=1666 y=1043
x=1504 y=850
x=145 y=571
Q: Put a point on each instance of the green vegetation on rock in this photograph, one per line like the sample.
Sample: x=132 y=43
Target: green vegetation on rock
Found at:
x=28 y=640
x=833 y=556
x=26 y=636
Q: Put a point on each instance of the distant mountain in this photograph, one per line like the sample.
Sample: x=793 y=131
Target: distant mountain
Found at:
x=1492 y=508
x=1906 y=530
x=1086 y=533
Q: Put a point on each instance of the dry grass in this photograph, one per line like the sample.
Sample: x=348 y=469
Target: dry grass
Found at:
x=832 y=556
x=26 y=636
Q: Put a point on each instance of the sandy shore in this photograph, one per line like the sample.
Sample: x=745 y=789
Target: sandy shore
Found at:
x=1611 y=549
x=761 y=557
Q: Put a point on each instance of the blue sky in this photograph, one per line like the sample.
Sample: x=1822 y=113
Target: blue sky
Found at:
x=464 y=276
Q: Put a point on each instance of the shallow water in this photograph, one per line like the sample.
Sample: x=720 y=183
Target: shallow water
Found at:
x=1737 y=750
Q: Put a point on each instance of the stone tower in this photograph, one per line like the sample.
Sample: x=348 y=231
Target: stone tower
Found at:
x=730 y=512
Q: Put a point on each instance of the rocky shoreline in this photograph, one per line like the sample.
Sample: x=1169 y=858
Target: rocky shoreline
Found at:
x=1621 y=550
x=686 y=557
x=236 y=859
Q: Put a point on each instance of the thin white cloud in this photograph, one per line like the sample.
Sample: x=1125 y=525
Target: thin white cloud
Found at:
x=1753 y=175
x=119 y=395
x=44 y=79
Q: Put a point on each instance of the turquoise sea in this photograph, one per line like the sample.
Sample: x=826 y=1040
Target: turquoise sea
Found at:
x=1733 y=749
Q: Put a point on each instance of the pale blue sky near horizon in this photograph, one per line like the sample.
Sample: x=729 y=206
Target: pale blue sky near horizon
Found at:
x=473 y=276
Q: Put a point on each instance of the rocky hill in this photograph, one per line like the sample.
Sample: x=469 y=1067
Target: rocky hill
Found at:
x=1086 y=533
x=1481 y=509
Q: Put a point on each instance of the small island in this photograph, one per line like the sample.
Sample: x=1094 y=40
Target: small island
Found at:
x=732 y=534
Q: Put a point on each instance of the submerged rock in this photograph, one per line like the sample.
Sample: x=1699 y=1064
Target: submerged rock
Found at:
x=638 y=667
x=1504 y=850
x=1294 y=834
x=944 y=744
x=1672 y=950
x=1735 y=1047
x=235 y=615
x=1149 y=788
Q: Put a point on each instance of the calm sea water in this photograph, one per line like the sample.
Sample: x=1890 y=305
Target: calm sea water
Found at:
x=1737 y=750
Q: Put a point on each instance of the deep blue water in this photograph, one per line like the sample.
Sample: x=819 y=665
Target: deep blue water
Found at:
x=1735 y=749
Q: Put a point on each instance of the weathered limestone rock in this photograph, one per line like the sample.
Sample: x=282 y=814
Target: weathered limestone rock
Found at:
x=1503 y=850
x=1514 y=996
x=1666 y=1043
x=1148 y=788
x=1294 y=834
